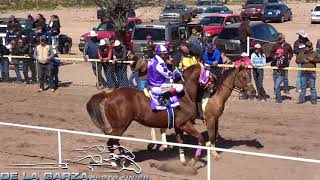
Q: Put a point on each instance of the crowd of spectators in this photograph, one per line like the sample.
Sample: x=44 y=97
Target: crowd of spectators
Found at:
x=33 y=40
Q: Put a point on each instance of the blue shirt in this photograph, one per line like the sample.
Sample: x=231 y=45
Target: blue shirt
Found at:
x=213 y=57
x=258 y=60
x=91 y=49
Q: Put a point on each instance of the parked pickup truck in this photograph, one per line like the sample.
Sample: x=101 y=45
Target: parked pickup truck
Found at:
x=106 y=29
x=177 y=13
x=214 y=23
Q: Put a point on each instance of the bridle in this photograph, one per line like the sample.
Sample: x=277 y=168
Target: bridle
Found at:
x=239 y=90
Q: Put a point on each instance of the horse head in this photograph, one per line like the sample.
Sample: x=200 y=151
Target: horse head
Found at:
x=242 y=81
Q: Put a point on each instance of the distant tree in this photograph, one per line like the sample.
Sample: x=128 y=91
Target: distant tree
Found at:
x=118 y=11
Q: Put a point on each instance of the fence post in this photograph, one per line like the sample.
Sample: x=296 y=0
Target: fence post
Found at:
x=97 y=75
x=248 y=45
x=209 y=164
x=59 y=148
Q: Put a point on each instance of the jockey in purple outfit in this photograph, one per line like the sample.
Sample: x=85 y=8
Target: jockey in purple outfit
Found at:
x=158 y=74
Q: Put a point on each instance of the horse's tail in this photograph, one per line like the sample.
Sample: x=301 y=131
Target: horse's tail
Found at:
x=96 y=111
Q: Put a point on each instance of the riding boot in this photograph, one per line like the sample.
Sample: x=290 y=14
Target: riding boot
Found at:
x=164 y=98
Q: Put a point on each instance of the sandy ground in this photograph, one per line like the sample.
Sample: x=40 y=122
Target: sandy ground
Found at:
x=284 y=129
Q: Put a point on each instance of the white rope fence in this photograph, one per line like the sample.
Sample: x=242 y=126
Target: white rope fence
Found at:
x=59 y=131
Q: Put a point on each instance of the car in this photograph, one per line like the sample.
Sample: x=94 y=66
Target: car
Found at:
x=216 y=10
x=202 y=5
x=276 y=12
x=160 y=33
x=253 y=8
x=176 y=12
x=106 y=30
x=315 y=15
x=214 y=23
x=228 y=40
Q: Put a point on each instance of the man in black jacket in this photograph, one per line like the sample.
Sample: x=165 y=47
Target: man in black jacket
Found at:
x=4 y=63
x=120 y=54
x=20 y=49
x=300 y=46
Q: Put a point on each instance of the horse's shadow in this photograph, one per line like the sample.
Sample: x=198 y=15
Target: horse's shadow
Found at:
x=143 y=155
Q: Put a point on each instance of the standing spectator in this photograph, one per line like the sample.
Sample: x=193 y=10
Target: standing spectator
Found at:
x=308 y=59
x=105 y=55
x=28 y=29
x=4 y=63
x=245 y=32
x=120 y=55
x=44 y=55
x=199 y=44
x=141 y=68
x=279 y=75
x=187 y=59
x=246 y=62
x=53 y=28
x=258 y=60
x=55 y=69
x=174 y=56
x=288 y=53
x=91 y=52
x=194 y=35
x=19 y=49
x=29 y=63
x=212 y=56
x=134 y=74
x=40 y=25
x=299 y=46
x=14 y=25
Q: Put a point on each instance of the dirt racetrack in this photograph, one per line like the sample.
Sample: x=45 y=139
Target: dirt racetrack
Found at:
x=284 y=129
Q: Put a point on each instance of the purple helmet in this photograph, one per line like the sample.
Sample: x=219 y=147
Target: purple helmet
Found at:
x=161 y=49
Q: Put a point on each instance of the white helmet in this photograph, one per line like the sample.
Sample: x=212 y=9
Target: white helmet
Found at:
x=161 y=49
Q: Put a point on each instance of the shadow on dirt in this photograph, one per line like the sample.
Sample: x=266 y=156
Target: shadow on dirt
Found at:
x=171 y=153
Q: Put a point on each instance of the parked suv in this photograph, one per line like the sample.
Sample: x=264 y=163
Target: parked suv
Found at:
x=253 y=8
x=159 y=31
x=106 y=29
x=229 y=38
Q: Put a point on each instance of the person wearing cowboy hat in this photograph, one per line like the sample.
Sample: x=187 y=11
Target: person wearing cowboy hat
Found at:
x=288 y=53
x=258 y=59
x=91 y=52
x=245 y=62
x=308 y=59
x=119 y=55
x=299 y=46
x=279 y=75
x=105 y=55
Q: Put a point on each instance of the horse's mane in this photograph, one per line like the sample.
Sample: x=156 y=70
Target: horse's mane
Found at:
x=224 y=75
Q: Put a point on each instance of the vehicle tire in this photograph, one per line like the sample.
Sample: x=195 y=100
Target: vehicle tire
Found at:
x=282 y=19
x=290 y=17
x=312 y=22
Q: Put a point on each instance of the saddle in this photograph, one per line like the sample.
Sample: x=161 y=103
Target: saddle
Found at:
x=163 y=102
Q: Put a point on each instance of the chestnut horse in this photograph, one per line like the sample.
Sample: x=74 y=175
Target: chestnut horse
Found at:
x=113 y=112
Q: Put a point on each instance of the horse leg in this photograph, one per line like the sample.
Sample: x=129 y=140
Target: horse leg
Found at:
x=163 y=138
x=179 y=136
x=115 y=132
x=153 y=138
x=213 y=132
x=188 y=128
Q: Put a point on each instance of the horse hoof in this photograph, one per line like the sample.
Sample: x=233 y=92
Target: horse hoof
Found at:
x=193 y=162
x=151 y=146
x=215 y=155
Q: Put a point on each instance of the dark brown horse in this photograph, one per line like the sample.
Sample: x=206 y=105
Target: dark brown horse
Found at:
x=113 y=112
